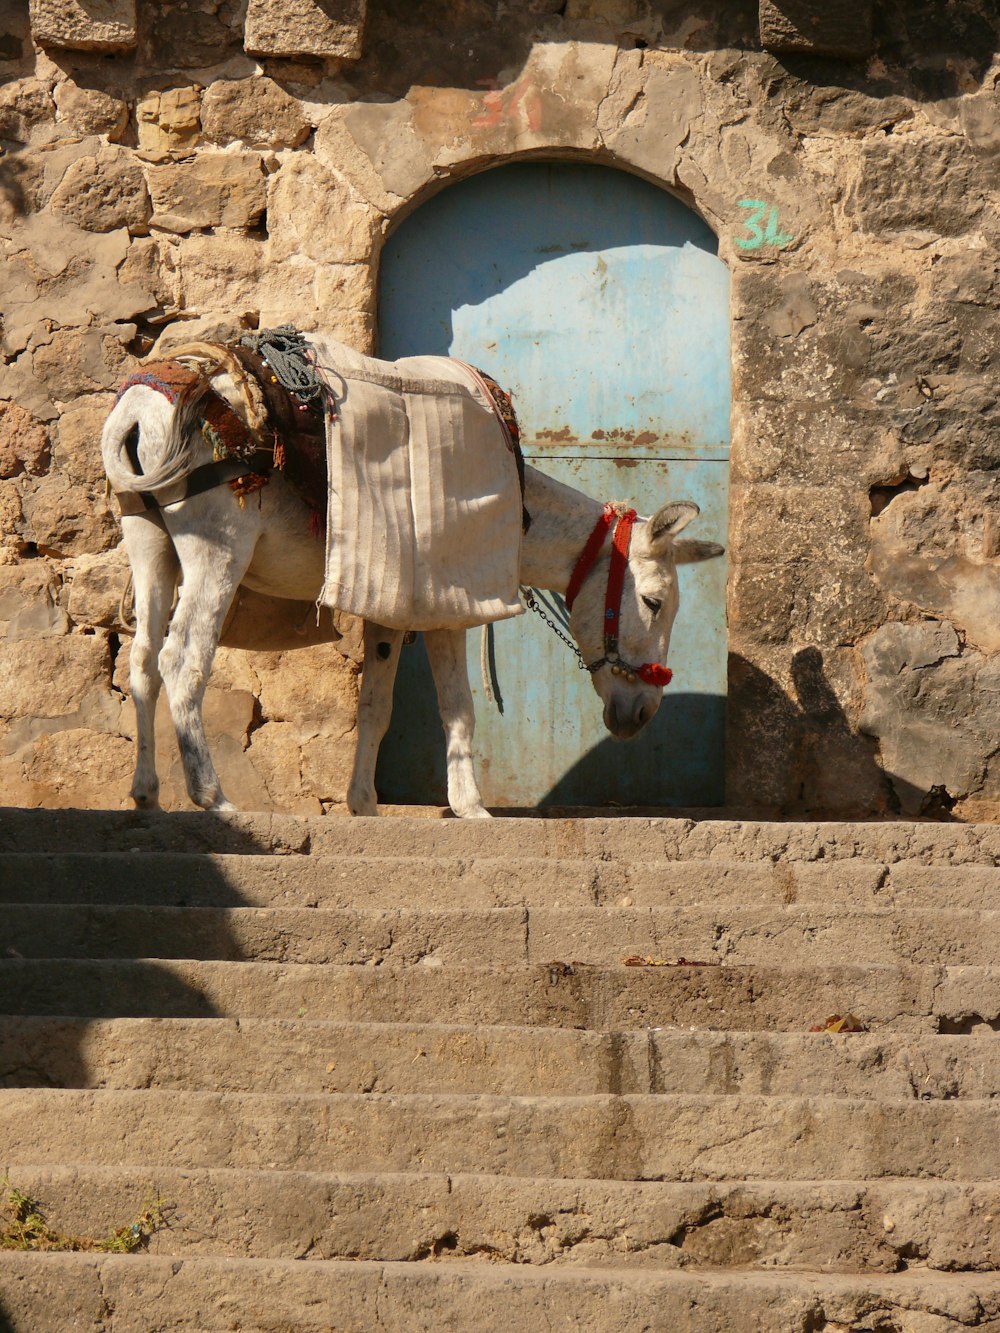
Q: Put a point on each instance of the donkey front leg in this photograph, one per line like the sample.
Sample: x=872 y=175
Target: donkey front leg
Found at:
x=446 y=654
x=213 y=557
x=154 y=577
x=374 y=711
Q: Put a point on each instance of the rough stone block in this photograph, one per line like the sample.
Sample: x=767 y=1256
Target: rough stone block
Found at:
x=932 y=708
x=305 y=28
x=51 y=679
x=220 y=272
x=218 y=326
x=24 y=442
x=97 y=584
x=980 y=118
x=78 y=453
x=29 y=601
x=72 y=362
x=169 y=121
x=933 y=546
x=74 y=768
x=301 y=197
x=215 y=190
x=104 y=193
x=11 y=519
x=90 y=111
x=257 y=110
x=68 y=519
x=313 y=688
x=651 y=134
x=96 y=25
x=908 y=183
x=817 y=27
x=25 y=104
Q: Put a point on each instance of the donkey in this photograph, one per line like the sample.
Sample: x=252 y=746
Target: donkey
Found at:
x=212 y=544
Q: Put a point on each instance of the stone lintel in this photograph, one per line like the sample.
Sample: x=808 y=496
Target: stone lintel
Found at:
x=841 y=28
x=331 y=28
x=84 y=25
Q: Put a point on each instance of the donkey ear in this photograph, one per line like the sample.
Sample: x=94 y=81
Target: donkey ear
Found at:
x=688 y=551
x=667 y=522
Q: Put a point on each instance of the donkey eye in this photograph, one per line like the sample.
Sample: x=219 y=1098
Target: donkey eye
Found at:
x=653 y=604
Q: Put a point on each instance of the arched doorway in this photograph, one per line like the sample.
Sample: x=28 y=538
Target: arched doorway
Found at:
x=600 y=302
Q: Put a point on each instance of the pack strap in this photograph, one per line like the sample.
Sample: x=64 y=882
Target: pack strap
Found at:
x=204 y=478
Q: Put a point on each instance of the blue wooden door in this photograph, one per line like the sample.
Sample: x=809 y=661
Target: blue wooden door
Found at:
x=600 y=302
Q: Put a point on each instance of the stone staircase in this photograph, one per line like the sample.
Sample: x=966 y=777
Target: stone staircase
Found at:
x=396 y=1075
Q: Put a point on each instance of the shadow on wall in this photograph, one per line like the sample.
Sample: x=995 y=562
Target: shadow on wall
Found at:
x=923 y=52
x=688 y=725
x=800 y=755
x=926 y=52
x=611 y=773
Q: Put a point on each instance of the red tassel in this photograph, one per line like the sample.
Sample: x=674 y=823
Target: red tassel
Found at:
x=654 y=674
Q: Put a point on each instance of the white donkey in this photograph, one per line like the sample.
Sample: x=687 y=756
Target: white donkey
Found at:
x=214 y=545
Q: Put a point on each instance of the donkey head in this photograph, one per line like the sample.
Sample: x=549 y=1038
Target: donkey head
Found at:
x=629 y=686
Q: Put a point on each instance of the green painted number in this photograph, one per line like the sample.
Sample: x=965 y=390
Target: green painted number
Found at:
x=759 y=235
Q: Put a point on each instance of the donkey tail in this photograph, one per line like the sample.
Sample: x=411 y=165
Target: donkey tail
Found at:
x=166 y=430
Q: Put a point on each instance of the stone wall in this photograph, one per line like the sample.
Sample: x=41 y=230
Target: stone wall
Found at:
x=188 y=169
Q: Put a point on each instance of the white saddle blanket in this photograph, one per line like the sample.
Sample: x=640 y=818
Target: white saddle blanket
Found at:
x=424 y=504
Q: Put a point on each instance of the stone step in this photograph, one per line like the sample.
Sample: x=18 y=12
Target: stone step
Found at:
x=257 y=1055
x=164 y=879
x=901 y=999
x=259 y=1296
x=645 y=838
x=185 y=879
x=634 y=1137
x=839 y=1225
x=508 y=936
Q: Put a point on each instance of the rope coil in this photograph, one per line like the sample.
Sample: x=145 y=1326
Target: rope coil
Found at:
x=290 y=357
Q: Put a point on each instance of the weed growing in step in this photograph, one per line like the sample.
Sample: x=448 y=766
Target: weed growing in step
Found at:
x=23 y=1226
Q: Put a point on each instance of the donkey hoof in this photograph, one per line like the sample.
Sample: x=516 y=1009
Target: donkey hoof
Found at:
x=146 y=800
x=368 y=809
x=473 y=812
x=221 y=806
x=213 y=801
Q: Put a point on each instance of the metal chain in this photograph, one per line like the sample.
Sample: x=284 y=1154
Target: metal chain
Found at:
x=532 y=605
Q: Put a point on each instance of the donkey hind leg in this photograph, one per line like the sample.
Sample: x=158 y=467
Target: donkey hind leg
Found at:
x=211 y=571
x=374 y=711
x=154 y=577
x=446 y=654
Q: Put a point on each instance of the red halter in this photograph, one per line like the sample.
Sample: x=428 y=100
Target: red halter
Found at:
x=622 y=520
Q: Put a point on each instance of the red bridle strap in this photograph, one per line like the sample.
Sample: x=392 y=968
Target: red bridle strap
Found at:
x=623 y=521
x=589 y=554
x=620 y=544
